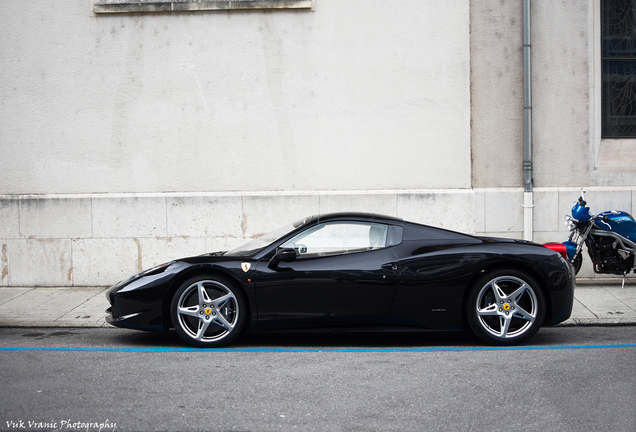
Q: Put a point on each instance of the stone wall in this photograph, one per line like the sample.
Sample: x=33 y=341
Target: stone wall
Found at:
x=97 y=240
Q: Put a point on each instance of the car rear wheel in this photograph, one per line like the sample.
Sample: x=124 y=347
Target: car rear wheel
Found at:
x=505 y=307
x=207 y=311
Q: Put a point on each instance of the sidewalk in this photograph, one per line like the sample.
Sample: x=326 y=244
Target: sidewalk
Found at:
x=53 y=307
x=597 y=302
x=603 y=302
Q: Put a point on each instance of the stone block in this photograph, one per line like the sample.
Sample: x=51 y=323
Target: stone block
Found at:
x=9 y=218
x=204 y=216
x=55 y=218
x=214 y=244
x=507 y=234
x=480 y=210
x=45 y=262
x=449 y=209
x=504 y=210
x=567 y=198
x=155 y=251
x=542 y=237
x=104 y=262
x=546 y=210
x=129 y=216
x=380 y=203
x=263 y=213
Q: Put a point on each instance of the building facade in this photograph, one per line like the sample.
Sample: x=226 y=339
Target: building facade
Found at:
x=133 y=132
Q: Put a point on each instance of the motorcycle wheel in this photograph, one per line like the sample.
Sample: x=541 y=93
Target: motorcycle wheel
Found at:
x=578 y=261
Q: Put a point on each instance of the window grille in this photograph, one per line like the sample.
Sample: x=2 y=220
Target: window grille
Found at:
x=618 y=45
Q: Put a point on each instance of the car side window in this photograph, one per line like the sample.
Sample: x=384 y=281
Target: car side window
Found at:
x=338 y=238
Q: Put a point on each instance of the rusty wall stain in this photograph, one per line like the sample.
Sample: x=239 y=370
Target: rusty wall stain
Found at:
x=5 y=266
x=139 y=263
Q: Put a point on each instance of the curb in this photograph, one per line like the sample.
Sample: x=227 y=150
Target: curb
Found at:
x=599 y=303
x=601 y=322
x=53 y=324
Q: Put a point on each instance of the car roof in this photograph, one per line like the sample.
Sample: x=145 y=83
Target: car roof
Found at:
x=358 y=216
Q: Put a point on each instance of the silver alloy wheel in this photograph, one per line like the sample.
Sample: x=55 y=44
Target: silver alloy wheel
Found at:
x=207 y=311
x=506 y=307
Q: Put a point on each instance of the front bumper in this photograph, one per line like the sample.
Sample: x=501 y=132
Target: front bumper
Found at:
x=138 y=302
x=137 y=321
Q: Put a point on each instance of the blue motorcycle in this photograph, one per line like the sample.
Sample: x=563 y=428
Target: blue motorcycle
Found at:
x=610 y=238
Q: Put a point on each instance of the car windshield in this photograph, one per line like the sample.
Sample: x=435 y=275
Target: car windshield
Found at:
x=263 y=241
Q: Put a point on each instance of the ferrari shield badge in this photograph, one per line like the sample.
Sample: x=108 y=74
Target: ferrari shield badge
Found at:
x=245 y=266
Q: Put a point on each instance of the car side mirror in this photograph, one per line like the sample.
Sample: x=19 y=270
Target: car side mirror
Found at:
x=285 y=254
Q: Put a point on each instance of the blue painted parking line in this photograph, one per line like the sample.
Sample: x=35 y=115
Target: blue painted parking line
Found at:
x=303 y=350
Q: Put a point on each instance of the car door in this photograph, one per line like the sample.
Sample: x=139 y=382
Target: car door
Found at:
x=343 y=273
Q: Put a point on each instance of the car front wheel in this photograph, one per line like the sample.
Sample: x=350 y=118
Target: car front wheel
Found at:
x=578 y=262
x=207 y=311
x=505 y=307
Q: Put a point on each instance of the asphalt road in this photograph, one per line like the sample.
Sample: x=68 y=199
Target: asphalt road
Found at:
x=570 y=379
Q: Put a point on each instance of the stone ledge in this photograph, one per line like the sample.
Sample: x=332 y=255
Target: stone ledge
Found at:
x=123 y=6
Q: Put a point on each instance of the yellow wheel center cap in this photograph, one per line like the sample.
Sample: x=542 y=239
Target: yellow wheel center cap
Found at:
x=506 y=306
x=207 y=311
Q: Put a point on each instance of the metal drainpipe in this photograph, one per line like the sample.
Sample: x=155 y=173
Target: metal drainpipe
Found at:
x=527 y=125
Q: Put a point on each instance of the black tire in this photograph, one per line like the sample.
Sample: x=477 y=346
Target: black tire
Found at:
x=577 y=262
x=208 y=311
x=497 y=316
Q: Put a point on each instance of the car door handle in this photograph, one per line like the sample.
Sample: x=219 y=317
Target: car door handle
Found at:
x=390 y=266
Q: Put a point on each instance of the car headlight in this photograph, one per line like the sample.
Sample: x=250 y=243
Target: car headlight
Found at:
x=156 y=269
x=148 y=272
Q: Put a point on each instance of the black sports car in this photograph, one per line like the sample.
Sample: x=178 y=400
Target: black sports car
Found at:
x=353 y=269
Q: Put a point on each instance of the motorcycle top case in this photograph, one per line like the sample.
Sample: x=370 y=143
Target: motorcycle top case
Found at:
x=619 y=222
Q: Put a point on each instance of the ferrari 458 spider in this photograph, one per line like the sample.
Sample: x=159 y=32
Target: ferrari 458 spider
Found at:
x=353 y=269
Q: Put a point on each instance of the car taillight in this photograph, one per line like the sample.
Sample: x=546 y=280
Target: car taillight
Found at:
x=558 y=247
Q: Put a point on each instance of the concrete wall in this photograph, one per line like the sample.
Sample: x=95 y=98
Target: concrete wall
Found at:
x=567 y=146
x=496 y=58
x=356 y=95
x=561 y=93
x=129 y=140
